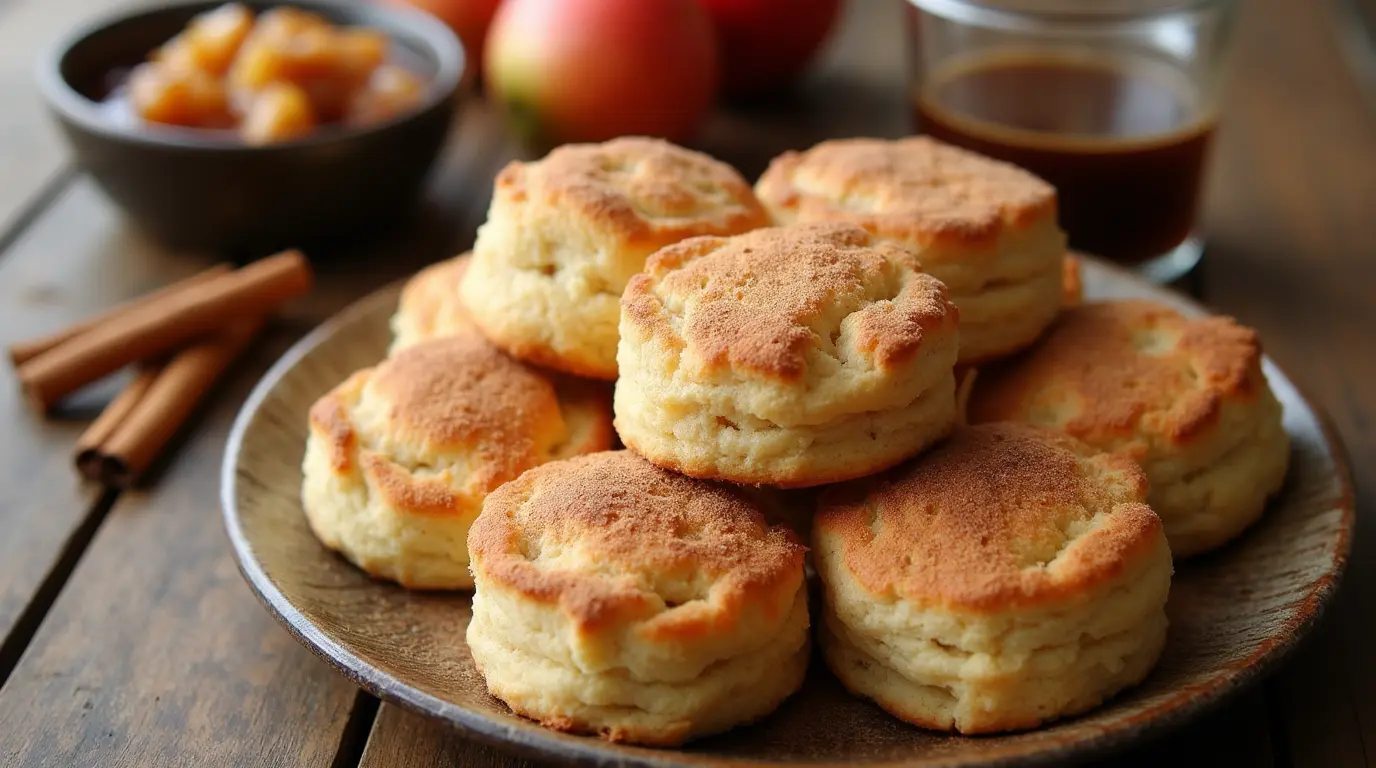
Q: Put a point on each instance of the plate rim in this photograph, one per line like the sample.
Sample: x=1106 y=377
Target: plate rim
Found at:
x=536 y=743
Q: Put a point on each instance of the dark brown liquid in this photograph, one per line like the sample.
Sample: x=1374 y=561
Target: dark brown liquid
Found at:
x=1124 y=147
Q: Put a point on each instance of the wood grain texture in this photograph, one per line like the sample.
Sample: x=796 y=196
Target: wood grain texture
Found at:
x=32 y=152
x=1232 y=613
x=154 y=656
x=1292 y=251
x=1236 y=735
x=55 y=274
x=403 y=739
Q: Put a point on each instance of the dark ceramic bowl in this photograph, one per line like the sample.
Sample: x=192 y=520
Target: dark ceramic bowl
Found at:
x=202 y=189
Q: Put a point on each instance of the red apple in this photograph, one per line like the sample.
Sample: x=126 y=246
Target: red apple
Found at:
x=590 y=70
x=468 y=18
x=767 y=43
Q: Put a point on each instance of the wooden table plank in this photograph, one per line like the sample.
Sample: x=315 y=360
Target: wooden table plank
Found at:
x=1229 y=737
x=404 y=740
x=32 y=153
x=55 y=274
x=1292 y=252
x=44 y=513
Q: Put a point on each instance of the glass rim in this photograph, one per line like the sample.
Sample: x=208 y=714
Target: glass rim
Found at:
x=1102 y=14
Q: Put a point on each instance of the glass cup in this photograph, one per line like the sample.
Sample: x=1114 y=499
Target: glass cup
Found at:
x=1112 y=101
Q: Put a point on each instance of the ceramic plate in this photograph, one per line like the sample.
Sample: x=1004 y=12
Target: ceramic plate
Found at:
x=1234 y=614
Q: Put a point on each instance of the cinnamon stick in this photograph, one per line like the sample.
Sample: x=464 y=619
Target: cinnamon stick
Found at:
x=87 y=454
x=162 y=326
x=167 y=402
x=24 y=351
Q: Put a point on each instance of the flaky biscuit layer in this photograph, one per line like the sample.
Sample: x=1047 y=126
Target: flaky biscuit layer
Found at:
x=625 y=707
x=1008 y=577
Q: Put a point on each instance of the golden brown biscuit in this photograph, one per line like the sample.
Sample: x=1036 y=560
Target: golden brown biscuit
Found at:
x=790 y=356
x=1007 y=577
x=430 y=306
x=617 y=598
x=1185 y=398
x=985 y=228
x=565 y=234
x=401 y=456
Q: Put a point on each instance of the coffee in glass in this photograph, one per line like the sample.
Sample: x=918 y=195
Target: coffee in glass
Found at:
x=1113 y=103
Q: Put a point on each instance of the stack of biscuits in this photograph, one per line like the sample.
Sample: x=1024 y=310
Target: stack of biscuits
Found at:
x=1008 y=471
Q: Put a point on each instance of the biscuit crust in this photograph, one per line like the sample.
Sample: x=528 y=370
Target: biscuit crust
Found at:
x=400 y=456
x=985 y=228
x=615 y=597
x=663 y=543
x=1000 y=516
x=430 y=306
x=1008 y=577
x=640 y=191
x=785 y=356
x=565 y=234
x=914 y=189
x=1123 y=367
x=1185 y=398
x=759 y=303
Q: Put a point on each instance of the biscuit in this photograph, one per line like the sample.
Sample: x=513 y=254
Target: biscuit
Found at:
x=1185 y=398
x=1008 y=577
x=985 y=228
x=400 y=456
x=791 y=357
x=430 y=306
x=617 y=598
x=565 y=234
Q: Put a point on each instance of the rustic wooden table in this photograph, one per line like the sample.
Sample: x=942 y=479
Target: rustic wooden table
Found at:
x=129 y=638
